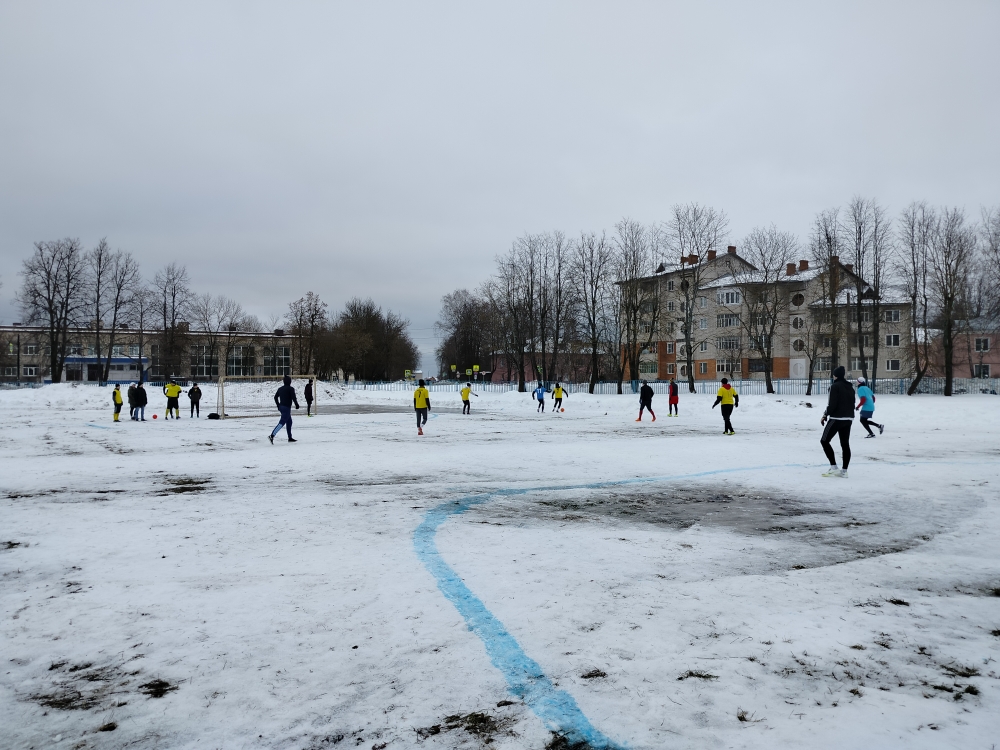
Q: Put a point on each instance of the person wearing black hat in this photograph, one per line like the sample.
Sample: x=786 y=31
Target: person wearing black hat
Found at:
x=837 y=420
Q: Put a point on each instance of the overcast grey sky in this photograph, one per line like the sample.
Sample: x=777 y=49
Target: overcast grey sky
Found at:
x=392 y=150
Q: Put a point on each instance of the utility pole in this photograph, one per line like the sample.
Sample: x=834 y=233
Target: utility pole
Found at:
x=18 y=382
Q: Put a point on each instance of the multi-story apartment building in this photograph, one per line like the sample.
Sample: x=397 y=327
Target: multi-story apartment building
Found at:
x=197 y=355
x=816 y=322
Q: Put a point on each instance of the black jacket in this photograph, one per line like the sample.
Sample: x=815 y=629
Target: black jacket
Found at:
x=646 y=394
x=141 y=399
x=309 y=392
x=285 y=396
x=195 y=394
x=841 y=402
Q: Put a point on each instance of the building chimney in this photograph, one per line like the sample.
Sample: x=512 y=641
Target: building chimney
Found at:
x=693 y=258
x=790 y=269
x=849 y=267
x=711 y=254
x=803 y=265
x=834 y=260
x=731 y=249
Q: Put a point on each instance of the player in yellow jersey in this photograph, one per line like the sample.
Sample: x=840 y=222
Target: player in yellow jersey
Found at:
x=466 y=393
x=729 y=398
x=422 y=405
x=116 y=399
x=172 y=391
x=557 y=395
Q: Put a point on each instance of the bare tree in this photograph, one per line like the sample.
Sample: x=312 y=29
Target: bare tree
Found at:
x=510 y=292
x=307 y=317
x=690 y=233
x=173 y=287
x=53 y=294
x=464 y=326
x=123 y=282
x=592 y=265
x=638 y=308
x=140 y=314
x=880 y=257
x=99 y=261
x=765 y=301
x=991 y=251
x=555 y=289
x=916 y=228
x=858 y=231
x=826 y=246
x=952 y=257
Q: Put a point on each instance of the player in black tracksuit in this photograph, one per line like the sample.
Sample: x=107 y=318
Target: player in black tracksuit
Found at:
x=646 y=400
x=284 y=397
x=838 y=418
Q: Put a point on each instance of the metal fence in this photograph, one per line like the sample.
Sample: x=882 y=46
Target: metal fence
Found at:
x=787 y=386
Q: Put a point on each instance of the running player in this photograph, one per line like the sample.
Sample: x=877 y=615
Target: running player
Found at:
x=645 y=400
x=116 y=399
x=466 y=395
x=284 y=397
x=557 y=395
x=421 y=405
x=729 y=398
x=308 y=393
x=172 y=391
x=840 y=413
x=867 y=408
x=540 y=395
x=672 y=409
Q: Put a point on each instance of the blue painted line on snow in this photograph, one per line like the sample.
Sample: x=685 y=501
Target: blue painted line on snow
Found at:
x=98 y=426
x=556 y=708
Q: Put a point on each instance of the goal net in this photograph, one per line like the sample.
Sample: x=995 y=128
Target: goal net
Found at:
x=253 y=395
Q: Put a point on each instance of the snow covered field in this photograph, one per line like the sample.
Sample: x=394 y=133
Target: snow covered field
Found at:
x=187 y=584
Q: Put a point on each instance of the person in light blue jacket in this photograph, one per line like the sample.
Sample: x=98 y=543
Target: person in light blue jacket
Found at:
x=867 y=407
x=540 y=396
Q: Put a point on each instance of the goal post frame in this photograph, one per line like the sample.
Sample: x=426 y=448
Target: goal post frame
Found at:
x=223 y=379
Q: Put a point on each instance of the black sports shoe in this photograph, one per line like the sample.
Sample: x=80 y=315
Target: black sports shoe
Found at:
x=292 y=440
x=271 y=438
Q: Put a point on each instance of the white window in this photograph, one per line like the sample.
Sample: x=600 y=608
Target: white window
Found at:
x=670 y=287
x=798 y=323
x=798 y=345
x=117 y=350
x=727 y=298
x=866 y=341
x=703 y=368
x=727 y=365
x=10 y=372
x=822 y=364
x=729 y=320
x=703 y=346
x=133 y=350
x=892 y=365
x=981 y=371
x=856 y=363
x=703 y=302
x=647 y=368
x=670 y=306
x=670 y=347
x=827 y=342
x=728 y=342
x=670 y=369
x=684 y=371
x=651 y=348
x=30 y=371
x=703 y=323
x=891 y=316
x=892 y=339
x=982 y=345
x=30 y=349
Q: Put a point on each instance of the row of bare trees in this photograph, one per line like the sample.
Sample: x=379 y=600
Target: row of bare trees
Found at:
x=65 y=288
x=561 y=308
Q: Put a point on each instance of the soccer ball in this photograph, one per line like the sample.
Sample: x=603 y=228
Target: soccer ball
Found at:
x=154 y=416
x=562 y=409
